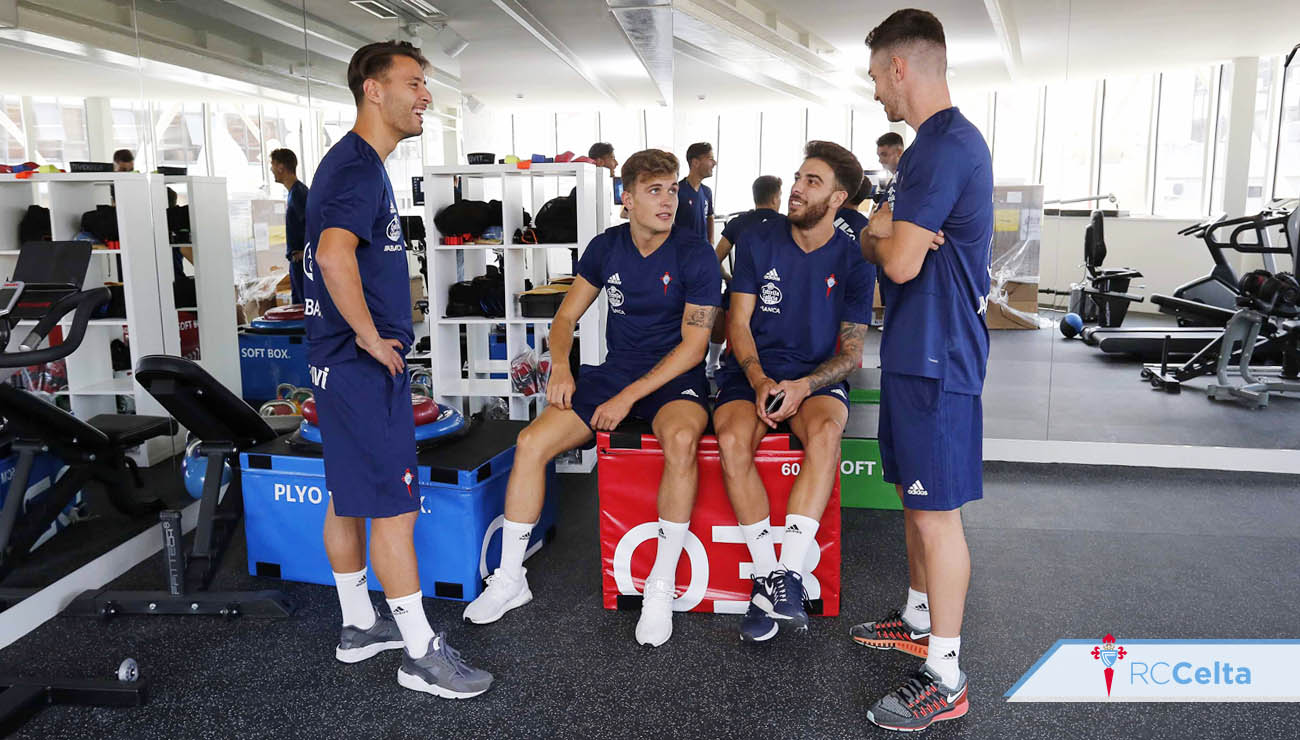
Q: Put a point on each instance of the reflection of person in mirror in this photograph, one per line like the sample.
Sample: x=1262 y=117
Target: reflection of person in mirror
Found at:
x=932 y=246
x=889 y=149
x=284 y=168
x=123 y=161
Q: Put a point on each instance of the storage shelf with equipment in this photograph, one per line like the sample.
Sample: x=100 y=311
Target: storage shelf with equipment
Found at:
x=463 y=372
x=93 y=386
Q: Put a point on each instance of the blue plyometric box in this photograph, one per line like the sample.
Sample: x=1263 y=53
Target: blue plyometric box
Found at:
x=45 y=471
x=268 y=359
x=457 y=535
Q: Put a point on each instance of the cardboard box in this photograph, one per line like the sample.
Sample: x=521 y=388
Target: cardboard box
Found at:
x=417 y=295
x=1019 y=298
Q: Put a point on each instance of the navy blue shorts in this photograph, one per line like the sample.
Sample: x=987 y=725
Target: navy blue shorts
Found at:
x=931 y=442
x=597 y=384
x=367 y=434
x=734 y=386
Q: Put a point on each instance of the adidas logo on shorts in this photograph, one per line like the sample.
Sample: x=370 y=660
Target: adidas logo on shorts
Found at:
x=690 y=392
x=839 y=392
x=614 y=280
x=771 y=275
x=917 y=490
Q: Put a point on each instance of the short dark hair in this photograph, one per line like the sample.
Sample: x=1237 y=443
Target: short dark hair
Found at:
x=697 y=150
x=907 y=26
x=373 y=60
x=864 y=192
x=766 y=188
x=890 y=139
x=645 y=163
x=600 y=150
x=123 y=155
x=848 y=172
x=286 y=158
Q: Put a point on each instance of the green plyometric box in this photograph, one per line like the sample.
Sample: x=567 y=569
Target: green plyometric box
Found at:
x=864 y=385
x=862 y=481
x=862 y=478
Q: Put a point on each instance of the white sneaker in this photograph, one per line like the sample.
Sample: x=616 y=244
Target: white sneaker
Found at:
x=502 y=594
x=656 y=623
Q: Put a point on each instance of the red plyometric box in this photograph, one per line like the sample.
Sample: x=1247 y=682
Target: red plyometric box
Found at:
x=713 y=574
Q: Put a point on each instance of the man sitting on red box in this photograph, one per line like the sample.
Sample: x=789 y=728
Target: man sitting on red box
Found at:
x=799 y=286
x=663 y=289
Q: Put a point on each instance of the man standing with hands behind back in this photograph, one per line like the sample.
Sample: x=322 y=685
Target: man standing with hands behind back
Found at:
x=932 y=245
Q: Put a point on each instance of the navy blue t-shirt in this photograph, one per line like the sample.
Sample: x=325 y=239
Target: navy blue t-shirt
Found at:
x=647 y=295
x=352 y=191
x=694 y=207
x=295 y=219
x=934 y=323
x=737 y=226
x=802 y=297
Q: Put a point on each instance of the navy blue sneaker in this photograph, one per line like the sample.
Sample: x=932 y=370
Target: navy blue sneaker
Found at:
x=757 y=624
x=787 y=594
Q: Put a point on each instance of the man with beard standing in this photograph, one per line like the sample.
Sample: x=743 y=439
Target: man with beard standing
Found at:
x=800 y=286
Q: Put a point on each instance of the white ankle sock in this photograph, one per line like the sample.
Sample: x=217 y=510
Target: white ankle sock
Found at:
x=354 y=598
x=412 y=623
x=799 y=535
x=942 y=659
x=514 y=546
x=715 y=351
x=762 y=545
x=671 y=537
x=917 y=611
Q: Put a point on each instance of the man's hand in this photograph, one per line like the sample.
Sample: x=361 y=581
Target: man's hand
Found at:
x=881 y=225
x=765 y=389
x=610 y=413
x=559 y=389
x=937 y=241
x=795 y=393
x=296 y=256
x=385 y=351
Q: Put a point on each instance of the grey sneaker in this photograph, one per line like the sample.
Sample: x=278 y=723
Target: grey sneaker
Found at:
x=356 y=645
x=441 y=672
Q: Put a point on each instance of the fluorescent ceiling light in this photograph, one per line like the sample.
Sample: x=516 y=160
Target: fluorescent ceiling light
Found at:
x=422 y=7
x=376 y=8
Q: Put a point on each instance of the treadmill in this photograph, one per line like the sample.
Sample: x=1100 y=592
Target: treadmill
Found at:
x=1202 y=307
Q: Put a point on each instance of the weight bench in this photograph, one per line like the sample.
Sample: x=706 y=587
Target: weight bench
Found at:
x=225 y=425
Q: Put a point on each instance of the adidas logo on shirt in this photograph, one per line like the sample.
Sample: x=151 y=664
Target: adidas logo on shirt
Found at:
x=690 y=392
x=771 y=275
x=614 y=280
x=917 y=490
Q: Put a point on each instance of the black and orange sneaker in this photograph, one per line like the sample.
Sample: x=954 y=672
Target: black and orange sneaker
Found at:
x=920 y=702
x=892 y=633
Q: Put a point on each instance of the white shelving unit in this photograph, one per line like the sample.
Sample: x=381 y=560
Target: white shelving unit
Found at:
x=517 y=190
x=213 y=273
x=150 y=319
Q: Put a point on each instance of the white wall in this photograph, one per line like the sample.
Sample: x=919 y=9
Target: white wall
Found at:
x=1151 y=246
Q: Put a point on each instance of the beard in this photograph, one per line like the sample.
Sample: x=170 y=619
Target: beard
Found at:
x=811 y=214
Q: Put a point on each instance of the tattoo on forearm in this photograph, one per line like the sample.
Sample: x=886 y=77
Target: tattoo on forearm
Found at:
x=838 y=367
x=702 y=317
x=746 y=363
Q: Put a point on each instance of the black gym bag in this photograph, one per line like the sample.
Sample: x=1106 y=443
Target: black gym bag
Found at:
x=557 y=221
